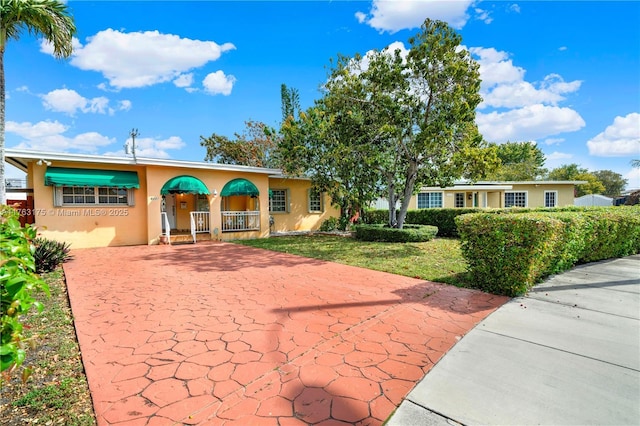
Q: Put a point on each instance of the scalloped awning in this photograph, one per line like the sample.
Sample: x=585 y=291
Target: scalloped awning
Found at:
x=184 y=185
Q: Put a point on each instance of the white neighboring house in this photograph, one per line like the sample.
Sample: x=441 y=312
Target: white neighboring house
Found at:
x=593 y=200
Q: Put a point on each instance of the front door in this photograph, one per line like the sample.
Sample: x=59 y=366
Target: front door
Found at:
x=170 y=209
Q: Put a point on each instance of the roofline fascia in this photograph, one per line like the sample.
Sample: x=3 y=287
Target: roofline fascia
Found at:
x=141 y=161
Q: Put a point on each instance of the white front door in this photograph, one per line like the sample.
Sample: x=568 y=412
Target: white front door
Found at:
x=170 y=208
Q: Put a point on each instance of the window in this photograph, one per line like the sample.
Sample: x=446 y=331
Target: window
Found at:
x=315 y=202
x=429 y=200
x=459 y=202
x=515 y=199
x=92 y=195
x=278 y=200
x=550 y=198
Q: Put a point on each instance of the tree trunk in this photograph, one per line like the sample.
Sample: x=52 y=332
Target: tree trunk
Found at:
x=3 y=184
x=392 y=204
x=412 y=175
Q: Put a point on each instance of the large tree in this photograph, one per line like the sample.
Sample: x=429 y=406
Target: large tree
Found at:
x=613 y=182
x=392 y=121
x=575 y=172
x=49 y=19
x=519 y=161
x=255 y=146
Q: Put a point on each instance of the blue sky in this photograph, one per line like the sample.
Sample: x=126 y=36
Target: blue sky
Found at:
x=563 y=74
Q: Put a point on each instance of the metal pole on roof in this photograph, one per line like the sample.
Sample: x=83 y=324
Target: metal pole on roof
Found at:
x=134 y=134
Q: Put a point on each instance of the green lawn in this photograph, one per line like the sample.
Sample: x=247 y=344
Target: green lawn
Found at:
x=439 y=260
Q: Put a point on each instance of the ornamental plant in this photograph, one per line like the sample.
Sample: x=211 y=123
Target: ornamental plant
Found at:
x=19 y=281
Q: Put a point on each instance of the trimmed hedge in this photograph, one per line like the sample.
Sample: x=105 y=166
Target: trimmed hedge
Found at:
x=408 y=234
x=510 y=252
x=445 y=219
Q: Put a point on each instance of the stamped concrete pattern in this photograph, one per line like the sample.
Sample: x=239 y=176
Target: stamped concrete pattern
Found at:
x=218 y=333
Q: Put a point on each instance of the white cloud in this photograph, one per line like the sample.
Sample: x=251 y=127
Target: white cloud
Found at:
x=140 y=59
x=124 y=105
x=529 y=123
x=218 y=83
x=184 y=80
x=483 y=15
x=622 y=138
x=49 y=136
x=515 y=109
x=496 y=67
x=151 y=147
x=515 y=8
x=503 y=83
x=70 y=102
x=555 y=156
x=553 y=141
x=395 y=15
x=633 y=178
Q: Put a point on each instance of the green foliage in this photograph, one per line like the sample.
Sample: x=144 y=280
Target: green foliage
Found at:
x=49 y=254
x=575 y=172
x=390 y=122
x=506 y=252
x=519 y=161
x=613 y=182
x=53 y=395
x=441 y=218
x=254 y=147
x=410 y=233
x=19 y=282
x=509 y=252
x=330 y=224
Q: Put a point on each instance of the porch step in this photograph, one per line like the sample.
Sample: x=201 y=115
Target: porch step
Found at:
x=188 y=239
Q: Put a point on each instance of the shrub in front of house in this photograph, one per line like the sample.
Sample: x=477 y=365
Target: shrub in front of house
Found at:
x=49 y=254
x=506 y=253
x=441 y=218
x=410 y=233
x=509 y=253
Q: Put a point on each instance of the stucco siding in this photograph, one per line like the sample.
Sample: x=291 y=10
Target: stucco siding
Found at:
x=297 y=216
x=89 y=226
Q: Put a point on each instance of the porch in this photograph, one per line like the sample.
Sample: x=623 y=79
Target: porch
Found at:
x=201 y=229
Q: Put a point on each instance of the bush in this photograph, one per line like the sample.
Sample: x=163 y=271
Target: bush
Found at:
x=19 y=282
x=330 y=224
x=411 y=233
x=508 y=253
x=49 y=254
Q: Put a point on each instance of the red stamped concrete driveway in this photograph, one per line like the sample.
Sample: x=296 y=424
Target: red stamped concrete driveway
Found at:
x=218 y=333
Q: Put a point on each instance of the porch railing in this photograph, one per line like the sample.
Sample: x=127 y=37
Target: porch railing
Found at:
x=240 y=221
x=200 y=224
x=166 y=228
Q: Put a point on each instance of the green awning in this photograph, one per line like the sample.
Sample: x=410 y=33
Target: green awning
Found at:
x=184 y=185
x=239 y=187
x=62 y=176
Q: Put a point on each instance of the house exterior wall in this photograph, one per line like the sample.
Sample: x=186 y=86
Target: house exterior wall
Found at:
x=298 y=217
x=535 y=193
x=84 y=226
x=486 y=197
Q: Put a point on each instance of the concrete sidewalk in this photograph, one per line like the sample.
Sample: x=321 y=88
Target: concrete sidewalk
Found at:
x=566 y=353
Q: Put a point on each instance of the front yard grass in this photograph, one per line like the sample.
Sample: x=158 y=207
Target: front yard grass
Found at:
x=438 y=260
x=57 y=392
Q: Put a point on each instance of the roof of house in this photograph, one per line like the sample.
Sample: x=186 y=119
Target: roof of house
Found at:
x=499 y=185
x=20 y=158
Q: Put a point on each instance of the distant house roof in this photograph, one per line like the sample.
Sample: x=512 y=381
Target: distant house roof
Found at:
x=499 y=185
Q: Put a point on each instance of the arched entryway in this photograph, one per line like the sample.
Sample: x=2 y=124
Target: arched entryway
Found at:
x=185 y=207
x=240 y=206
